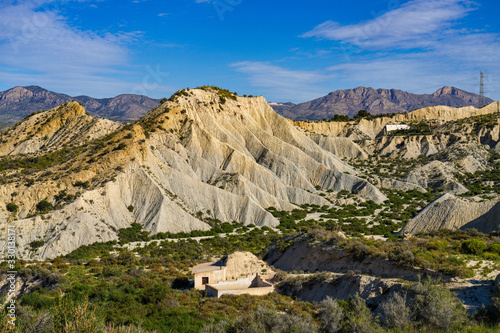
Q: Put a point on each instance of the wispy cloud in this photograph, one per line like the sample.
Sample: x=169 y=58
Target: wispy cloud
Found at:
x=36 y=40
x=408 y=26
x=282 y=83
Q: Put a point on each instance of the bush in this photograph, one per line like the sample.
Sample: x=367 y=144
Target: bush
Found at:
x=121 y=146
x=133 y=234
x=330 y=316
x=265 y=320
x=494 y=248
x=44 y=206
x=395 y=313
x=70 y=315
x=358 y=318
x=36 y=244
x=12 y=207
x=83 y=184
x=436 y=306
x=130 y=208
x=473 y=246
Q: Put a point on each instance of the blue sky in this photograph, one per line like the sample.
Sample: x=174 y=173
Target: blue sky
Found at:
x=284 y=50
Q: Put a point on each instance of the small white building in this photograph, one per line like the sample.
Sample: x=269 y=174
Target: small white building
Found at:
x=251 y=285
x=395 y=127
x=238 y=273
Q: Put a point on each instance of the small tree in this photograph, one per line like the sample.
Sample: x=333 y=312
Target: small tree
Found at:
x=362 y=114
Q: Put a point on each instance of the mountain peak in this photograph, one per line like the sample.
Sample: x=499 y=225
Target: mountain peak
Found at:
x=447 y=90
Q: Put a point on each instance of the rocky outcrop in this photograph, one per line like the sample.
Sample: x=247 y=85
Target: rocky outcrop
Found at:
x=316 y=288
x=436 y=174
x=376 y=101
x=66 y=125
x=449 y=212
x=342 y=147
x=300 y=256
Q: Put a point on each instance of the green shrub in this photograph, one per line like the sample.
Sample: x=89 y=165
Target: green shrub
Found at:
x=133 y=234
x=473 y=246
x=494 y=248
x=44 y=206
x=36 y=244
x=436 y=306
x=330 y=315
x=395 y=312
x=130 y=208
x=436 y=245
x=80 y=183
x=72 y=315
x=358 y=317
x=121 y=146
x=12 y=207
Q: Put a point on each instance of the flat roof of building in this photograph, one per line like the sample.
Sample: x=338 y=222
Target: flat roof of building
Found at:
x=207 y=267
x=235 y=287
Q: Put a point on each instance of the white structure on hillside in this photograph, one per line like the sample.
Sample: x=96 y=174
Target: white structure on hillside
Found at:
x=395 y=127
x=239 y=273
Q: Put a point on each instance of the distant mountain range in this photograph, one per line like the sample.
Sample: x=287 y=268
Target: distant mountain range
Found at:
x=18 y=102
x=376 y=101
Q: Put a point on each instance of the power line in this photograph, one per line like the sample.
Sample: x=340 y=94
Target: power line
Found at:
x=481 y=89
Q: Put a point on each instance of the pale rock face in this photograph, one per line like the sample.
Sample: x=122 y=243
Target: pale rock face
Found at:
x=448 y=212
x=342 y=147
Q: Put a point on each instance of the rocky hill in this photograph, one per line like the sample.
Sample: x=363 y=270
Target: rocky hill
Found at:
x=18 y=102
x=450 y=212
x=66 y=125
x=375 y=101
x=204 y=155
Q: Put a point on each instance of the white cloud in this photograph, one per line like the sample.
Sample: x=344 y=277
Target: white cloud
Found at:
x=409 y=26
x=37 y=41
x=282 y=83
